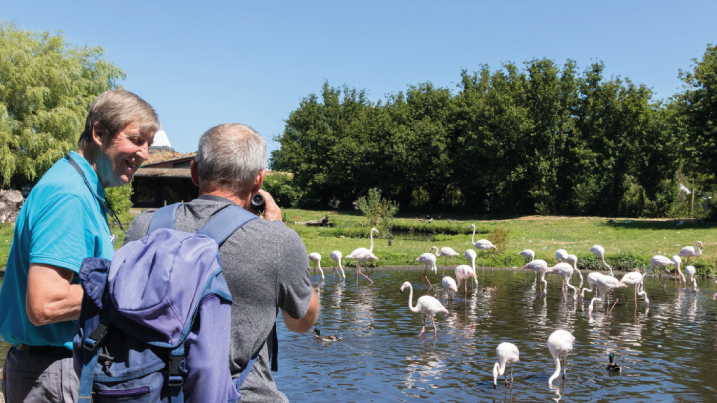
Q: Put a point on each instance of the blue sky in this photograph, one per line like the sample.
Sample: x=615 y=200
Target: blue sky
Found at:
x=204 y=63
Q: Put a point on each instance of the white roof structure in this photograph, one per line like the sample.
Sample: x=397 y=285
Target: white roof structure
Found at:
x=161 y=139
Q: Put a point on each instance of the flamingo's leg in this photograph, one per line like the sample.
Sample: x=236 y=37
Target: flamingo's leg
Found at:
x=424 y=326
x=613 y=306
x=426 y=277
x=435 y=329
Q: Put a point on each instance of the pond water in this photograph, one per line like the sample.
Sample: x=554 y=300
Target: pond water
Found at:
x=667 y=352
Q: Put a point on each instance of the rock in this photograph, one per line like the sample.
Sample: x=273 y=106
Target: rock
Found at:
x=10 y=203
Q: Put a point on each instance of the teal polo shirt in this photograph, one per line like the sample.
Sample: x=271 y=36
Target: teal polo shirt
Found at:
x=60 y=223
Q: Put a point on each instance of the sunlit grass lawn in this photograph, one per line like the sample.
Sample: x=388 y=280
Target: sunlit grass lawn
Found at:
x=627 y=245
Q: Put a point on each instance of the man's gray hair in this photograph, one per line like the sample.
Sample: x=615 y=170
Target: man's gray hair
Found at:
x=114 y=110
x=230 y=157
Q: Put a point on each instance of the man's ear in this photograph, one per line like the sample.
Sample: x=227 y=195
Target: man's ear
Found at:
x=258 y=182
x=97 y=132
x=194 y=169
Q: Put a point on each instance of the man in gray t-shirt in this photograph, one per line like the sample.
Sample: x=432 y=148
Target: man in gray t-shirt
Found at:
x=265 y=263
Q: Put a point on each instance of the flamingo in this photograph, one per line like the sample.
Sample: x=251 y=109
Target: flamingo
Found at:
x=678 y=262
x=605 y=284
x=635 y=279
x=507 y=354
x=362 y=255
x=336 y=257
x=560 y=344
x=690 y=276
x=446 y=253
x=599 y=252
x=429 y=260
x=426 y=305
x=565 y=270
x=528 y=254
x=449 y=285
x=660 y=261
x=573 y=260
x=483 y=245
x=316 y=258
x=471 y=256
x=465 y=272
x=592 y=279
x=539 y=266
x=561 y=255
x=689 y=251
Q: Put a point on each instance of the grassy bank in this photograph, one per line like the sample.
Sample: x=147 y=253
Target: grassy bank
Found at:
x=627 y=245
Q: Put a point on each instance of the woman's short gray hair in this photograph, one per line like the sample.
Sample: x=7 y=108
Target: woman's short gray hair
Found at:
x=231 y=156
x=114 y=110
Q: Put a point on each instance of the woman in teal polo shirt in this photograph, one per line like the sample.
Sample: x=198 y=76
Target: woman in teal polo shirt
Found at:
x=62 y=222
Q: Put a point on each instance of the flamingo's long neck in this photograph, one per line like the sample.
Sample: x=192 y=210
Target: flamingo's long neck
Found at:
x=557 y=370
x=371 y=248
x=605 y=263
x=473 y=238
x=410 y=300
x=698 y=250
x=649 y=270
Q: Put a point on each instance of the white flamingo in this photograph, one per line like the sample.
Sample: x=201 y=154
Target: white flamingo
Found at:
x=528 y=254
x=471 y=256
x=592 y=278
x=678 y=262
x=636 y=278
x=605 y=284
x=573 y=260
x=426 y=306
x=445 y=252
x=690 y=276
x=690 y=251
x=336 y=257
x=316 y=258
x=449 y=286
x=465 y=272
x=507 y=354
x=661 y=261
x=560 y=344
x=362 y=255
x=483 y=245
x=539 y=266
x=599 y=252
x=564 y=270
x=561 y=255
x=429 y=260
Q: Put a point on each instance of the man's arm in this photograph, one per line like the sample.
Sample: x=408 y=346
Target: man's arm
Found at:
x=50 y=295
x=304 y=323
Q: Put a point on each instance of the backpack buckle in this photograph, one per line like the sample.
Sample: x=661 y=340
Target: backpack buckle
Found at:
x=96 y=337
x=175 y=371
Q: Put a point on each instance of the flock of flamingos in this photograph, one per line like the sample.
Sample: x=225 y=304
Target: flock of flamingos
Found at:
x=560 y=342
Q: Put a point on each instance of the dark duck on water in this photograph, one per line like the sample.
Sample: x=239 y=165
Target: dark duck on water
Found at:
x=319 y=337
x=613 y=366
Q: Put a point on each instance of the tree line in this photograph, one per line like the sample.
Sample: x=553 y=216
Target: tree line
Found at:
x=544 y=138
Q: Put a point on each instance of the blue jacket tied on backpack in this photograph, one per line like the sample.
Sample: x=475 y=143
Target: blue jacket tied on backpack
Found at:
x=155 y=321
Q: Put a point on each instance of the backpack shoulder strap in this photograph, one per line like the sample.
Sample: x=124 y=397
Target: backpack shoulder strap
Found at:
x=164 y=217
x=224 y=223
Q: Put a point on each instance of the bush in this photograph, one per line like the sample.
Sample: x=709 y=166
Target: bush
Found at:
x=119 y=199
x=377 y=210
x=281 y=188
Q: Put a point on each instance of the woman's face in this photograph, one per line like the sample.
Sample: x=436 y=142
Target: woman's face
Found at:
x=123 y=155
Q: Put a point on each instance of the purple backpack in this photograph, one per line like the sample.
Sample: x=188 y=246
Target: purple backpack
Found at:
x=155 y=321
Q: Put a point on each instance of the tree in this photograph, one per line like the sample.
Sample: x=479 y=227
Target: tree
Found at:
x=697 y=107
x=46 y=87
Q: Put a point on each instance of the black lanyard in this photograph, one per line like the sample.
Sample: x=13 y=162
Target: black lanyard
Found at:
x=107 y=206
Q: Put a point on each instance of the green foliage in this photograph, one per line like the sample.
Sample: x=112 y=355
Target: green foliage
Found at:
x=119 y=198
x=46 y=86
x=377 y=210
x=282 y=190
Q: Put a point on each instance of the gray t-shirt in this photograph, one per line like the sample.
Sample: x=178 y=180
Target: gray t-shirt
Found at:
x=266 y=267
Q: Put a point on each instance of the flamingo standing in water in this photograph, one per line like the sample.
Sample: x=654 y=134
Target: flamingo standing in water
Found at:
x=661 y=261
x=528 y=254
x=539 y=266
x=471 y=256
x=449 y=286
x=465 y=272
x=446 y=253
x=565 y=270
x=690 y=276
x=599 y=252
x=678 y=272
x=483 y=245
x=316 y=258
x=429 y=260
x=560 y=344
x=690 y=251
x=427 y=306
x=336 y=257
x=605 y=284
x=507 y=354
x=362 y=255
x=573 y=260
x=592 y=279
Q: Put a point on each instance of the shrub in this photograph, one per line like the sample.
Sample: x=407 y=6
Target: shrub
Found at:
x=377 y=210
x=281 y=188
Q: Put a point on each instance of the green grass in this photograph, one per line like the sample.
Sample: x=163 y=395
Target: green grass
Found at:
x=627 y=245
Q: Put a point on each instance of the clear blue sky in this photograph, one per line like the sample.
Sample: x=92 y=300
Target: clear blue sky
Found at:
x=204 y=63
